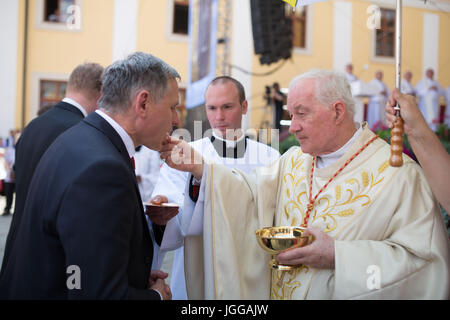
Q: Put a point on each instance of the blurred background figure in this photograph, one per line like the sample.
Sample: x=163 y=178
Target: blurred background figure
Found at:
x=2 y=166
x=278 y=102
x=429 y=93
x=375 y=112
x=9 y=140
x=349 y=73
x=9 y=180
x=447 y=109
x=406 y=86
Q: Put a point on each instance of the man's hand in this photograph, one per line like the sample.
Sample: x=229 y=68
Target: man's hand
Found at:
x=160 y=215
x=319 y=254
x=414 y=122
x=156 y=282
x=179 y=155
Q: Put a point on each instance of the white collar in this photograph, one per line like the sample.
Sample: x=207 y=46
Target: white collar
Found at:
x=229 y=143
x=328 y=159
x=122 y=133
x=76 y=104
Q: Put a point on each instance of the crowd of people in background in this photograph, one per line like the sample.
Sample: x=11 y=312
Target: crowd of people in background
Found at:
x=428 y=93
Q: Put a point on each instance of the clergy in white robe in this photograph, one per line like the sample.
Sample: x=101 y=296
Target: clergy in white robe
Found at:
x=375 y=112
x=379 y=233
x=242 y=153
x=349 y=73
x=172 y=184
x=429 y=92
x=406 y=86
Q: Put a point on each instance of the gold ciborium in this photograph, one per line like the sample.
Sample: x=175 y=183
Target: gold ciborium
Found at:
x=276 y=239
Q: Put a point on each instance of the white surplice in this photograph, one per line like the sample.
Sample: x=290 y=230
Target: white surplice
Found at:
x=350 y=77
x=173 y=184
x=390 y=238
x=406 y=87
x=375 y=108
x=429 y=100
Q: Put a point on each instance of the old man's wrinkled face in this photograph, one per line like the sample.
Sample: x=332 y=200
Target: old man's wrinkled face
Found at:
x=312 y=124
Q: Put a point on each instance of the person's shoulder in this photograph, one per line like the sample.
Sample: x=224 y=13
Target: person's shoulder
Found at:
x=294 y=152
x=54 y=119
x=198 y=144
x=383 y=151
x=263 y=146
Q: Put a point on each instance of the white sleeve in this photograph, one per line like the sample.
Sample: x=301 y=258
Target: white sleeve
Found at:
x=192 y=219
x=421 y=88
x=148 y=167
x=171 y=183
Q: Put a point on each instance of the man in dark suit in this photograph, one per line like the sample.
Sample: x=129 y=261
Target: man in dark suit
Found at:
x=83 y=233
x=82 y=94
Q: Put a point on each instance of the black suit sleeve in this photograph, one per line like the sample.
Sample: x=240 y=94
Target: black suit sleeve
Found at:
x=98 y=218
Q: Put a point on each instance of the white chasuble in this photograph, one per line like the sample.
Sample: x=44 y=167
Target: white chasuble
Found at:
x=390 y=239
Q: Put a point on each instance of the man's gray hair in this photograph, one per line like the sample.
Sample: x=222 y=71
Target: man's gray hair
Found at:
x=125 y=78
x=331 y=86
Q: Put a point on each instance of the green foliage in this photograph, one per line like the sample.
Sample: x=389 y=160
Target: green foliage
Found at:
x=288 y=142
x=442 y=132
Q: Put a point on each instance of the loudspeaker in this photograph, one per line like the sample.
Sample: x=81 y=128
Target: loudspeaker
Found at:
x=272 y=31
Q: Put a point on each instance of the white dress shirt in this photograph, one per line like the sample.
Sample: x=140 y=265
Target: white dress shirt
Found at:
x=122 y=133
x=75 y=104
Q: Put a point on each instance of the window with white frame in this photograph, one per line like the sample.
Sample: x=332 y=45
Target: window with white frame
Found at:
x=57 y=10
x=64 y=15
x=178 y=20
x=180 y=17
x=385 y=34
x=298 y=18
x=51 y=92
x=301 y=19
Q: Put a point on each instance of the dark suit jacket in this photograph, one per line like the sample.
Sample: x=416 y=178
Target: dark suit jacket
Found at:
x=34 y=141
x=84 y=210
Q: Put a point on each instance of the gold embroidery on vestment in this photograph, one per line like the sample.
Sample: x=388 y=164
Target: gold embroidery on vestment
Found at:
x=336 y=206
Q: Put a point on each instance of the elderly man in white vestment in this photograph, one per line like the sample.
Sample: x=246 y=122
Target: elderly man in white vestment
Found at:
x=429 y=92
x=378 y=230
x=225 y=104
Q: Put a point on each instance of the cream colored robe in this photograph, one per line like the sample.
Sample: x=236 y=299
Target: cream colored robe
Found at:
x=388 y=230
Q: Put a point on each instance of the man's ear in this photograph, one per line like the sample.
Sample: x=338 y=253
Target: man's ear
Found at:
x=143 y=99
x=340 y=110
x=244 y=107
